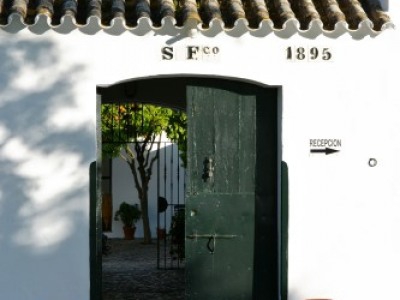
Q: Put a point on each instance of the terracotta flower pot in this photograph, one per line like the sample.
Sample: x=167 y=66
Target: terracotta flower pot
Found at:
x=161 y=233
x=129 y=233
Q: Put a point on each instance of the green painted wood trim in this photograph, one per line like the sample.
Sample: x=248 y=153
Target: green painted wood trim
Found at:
x=95 y=214
x=266 y=256
x=95 y=237
x=284 y=229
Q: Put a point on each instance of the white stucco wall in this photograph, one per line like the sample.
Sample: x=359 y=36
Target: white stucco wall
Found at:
x=47 y=140
x=344 y=215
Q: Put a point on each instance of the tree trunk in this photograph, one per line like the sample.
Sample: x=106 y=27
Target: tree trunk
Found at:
x=144 y=203
x=142 y=187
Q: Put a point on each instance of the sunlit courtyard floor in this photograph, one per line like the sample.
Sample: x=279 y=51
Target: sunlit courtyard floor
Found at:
x=130 y=273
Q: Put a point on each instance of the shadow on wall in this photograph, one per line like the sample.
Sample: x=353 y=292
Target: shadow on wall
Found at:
x=385 y=4
x=294 y=295
x=44 y=160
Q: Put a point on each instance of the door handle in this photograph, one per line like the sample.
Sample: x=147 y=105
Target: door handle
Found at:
x=211 y=239
x=214 y=236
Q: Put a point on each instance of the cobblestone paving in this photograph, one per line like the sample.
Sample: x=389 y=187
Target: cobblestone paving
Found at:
x=130 y=273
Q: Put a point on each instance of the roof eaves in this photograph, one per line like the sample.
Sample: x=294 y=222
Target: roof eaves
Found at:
x=260 y=18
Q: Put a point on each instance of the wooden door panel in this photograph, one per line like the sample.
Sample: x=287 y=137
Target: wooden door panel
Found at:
x=222 y=127
x=227 y=273
x=220 y=225
x=228 y=128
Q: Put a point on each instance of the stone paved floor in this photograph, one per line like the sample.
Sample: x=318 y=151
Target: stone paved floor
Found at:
x=130 y=273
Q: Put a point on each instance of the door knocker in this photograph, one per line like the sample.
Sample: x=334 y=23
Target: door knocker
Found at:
x=208 y=169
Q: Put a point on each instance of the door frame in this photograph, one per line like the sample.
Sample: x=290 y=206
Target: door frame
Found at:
x=142 y=90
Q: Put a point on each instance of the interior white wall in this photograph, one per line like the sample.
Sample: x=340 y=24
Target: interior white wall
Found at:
x=343 y=235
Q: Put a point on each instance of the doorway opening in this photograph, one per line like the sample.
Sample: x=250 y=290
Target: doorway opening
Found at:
x=146 y=146
x=233 y=178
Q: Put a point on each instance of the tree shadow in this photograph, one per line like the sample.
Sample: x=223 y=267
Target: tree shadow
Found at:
x=43 y=169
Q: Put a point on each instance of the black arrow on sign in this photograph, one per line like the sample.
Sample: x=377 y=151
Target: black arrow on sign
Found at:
x=326 y=151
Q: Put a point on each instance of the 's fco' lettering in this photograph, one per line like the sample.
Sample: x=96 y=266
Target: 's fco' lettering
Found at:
x=191 y=53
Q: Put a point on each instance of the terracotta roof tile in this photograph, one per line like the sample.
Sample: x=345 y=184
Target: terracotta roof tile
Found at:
x=306 y=12
x=259 y=17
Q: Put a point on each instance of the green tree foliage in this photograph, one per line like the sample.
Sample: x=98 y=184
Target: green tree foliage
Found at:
x=129 y=131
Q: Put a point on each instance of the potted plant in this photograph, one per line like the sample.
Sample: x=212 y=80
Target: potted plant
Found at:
x=177 y=233
x=129 y=214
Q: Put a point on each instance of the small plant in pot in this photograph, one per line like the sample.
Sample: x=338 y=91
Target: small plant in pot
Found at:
x=128 y=214
x=177 y=233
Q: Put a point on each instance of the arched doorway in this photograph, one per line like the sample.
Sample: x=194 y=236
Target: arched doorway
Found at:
x=234 y=246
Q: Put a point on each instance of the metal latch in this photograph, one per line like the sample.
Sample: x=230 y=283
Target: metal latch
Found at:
x=211 y=239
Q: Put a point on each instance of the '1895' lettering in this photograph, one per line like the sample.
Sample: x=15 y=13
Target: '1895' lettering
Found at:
x=308 y=54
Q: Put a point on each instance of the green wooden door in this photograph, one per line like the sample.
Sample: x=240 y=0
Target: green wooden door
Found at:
x=231 y=211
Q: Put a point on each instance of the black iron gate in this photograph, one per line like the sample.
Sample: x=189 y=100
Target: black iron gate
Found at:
x=152 y=151
x=170 y=207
